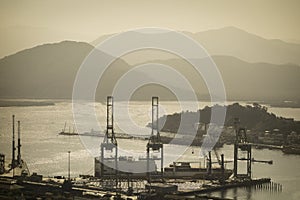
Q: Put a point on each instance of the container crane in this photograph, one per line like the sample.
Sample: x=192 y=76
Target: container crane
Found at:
x=154 y=143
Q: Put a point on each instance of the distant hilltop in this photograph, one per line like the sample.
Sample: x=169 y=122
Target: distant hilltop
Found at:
x=235 y=42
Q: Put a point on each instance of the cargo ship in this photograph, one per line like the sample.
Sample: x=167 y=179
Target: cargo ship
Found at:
x=184 y=170
x=177 y=170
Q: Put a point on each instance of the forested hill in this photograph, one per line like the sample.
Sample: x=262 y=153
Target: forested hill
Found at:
x=253 y=117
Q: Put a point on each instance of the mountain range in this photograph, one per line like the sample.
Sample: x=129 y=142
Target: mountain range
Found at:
x=235 y=42
x=253 y=68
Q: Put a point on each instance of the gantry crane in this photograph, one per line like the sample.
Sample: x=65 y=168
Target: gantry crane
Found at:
x=242 y=144
x=154 y=143
x=109 y=143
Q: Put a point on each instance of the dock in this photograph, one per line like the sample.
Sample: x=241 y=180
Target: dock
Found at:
x=229 y=185
x=269 y=146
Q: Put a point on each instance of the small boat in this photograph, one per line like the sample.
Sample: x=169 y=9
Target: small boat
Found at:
x=68 y=133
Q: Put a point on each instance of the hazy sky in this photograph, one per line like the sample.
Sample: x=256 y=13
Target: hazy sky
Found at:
x=24 y=24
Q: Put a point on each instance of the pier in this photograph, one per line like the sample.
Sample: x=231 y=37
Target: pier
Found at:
x=269 y=146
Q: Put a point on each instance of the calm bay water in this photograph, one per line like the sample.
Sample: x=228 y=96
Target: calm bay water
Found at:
x=46 y=152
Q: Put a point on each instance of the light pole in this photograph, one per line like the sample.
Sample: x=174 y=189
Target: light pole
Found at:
x=69 y=152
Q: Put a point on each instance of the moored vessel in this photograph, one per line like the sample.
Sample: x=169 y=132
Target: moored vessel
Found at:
x=184 y=170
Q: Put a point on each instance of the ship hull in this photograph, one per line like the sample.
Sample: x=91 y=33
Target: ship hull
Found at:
x=201 y=173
